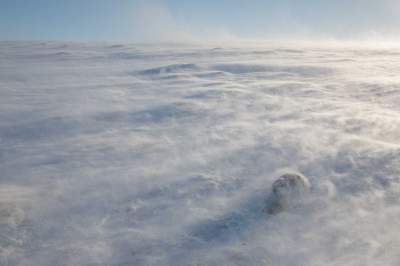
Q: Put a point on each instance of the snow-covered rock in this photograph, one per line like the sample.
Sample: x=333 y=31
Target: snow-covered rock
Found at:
x=288 y=191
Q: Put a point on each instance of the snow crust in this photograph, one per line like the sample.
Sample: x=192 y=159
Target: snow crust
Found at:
x=165 y=155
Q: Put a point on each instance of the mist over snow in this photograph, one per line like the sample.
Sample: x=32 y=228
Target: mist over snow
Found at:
x=165 y=155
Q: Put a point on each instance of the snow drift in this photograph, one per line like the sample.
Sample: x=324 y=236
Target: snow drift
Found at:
x=155 y=155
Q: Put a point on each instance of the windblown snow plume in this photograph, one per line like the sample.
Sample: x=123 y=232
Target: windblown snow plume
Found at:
x=154 y=155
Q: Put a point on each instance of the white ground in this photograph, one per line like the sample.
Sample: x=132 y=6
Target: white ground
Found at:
x=156 y=155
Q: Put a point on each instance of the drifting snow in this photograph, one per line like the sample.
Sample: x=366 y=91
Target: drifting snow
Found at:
x=134 y=155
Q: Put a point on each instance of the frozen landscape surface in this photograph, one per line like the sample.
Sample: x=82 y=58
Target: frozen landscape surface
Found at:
x=164 y=155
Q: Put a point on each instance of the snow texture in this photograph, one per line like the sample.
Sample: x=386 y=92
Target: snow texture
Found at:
x=165 y=155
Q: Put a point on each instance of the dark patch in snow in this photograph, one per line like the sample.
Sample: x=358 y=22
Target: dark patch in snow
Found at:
x=232 y=224
x=157 y=114
x=46 y=128
x=255 y=68
x=175 y=68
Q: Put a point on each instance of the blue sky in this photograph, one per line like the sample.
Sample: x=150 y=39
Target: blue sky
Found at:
x=170 y=20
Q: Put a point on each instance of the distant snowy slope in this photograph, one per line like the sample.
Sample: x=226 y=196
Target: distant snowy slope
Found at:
x=164 y=155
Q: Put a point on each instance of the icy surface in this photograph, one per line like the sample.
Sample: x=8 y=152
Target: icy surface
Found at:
x=164 y=155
